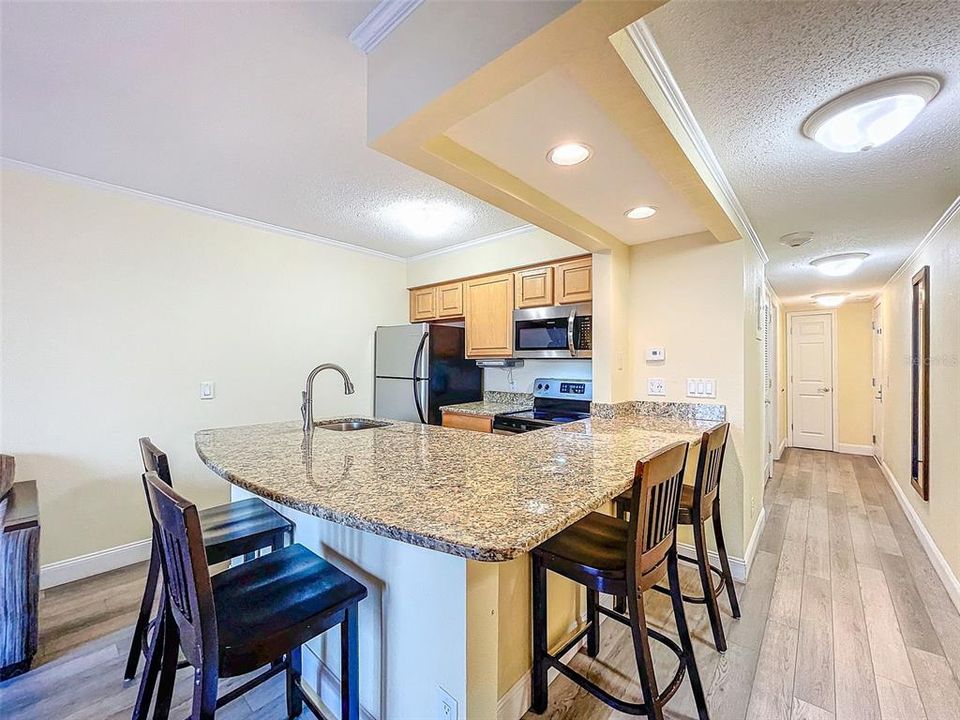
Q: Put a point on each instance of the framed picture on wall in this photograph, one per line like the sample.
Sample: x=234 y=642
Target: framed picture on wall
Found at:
x=920 y=383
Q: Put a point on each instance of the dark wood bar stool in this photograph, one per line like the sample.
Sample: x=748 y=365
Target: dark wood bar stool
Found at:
x=255 y=615
x=229 y=531
x=697 y=505
x=609 y=555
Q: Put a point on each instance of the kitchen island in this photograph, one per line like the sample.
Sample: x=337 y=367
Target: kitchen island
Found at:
x=437 y=523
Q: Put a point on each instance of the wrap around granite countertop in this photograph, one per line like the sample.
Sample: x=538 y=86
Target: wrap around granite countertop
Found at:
x=477 y=495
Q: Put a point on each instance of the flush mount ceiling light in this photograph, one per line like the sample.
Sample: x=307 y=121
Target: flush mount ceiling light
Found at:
x=569 y=154
x=830 y=299
x=423 y=218
x=870 y=115
x=796 y=239
x=641 y=213
x=837 y=265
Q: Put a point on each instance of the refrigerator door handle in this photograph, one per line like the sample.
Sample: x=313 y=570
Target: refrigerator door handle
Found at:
x=417 y=378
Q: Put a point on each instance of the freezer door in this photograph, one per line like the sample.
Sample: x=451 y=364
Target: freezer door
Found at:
x=397 y=347
x=394 y=400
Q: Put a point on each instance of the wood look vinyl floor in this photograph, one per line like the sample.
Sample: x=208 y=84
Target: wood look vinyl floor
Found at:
x=843 y=617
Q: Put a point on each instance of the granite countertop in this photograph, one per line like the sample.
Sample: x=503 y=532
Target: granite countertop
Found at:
x=494 y=403
x=477 y=495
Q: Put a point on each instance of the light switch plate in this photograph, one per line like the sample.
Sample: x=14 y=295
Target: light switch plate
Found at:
x=701 y=387
x=656 y=386
x=208 y=390
x=656 y=354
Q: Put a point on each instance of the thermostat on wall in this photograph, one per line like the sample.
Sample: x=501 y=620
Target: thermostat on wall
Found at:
x=655 y=354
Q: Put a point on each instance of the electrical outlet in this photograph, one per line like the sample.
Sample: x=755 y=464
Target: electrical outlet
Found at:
x=208 y=390
x=656 y=386
x=446 y=705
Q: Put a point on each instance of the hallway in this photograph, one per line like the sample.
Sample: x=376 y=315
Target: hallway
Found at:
x=843 y=615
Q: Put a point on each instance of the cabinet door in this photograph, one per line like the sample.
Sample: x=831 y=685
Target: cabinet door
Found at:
x=478 y=423
x=423 y=304
x=488 y=302
x=450 y=300
x=534 y=288
x=575 y=281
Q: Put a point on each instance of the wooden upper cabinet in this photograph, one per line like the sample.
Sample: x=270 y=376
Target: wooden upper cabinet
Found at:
x=575 y=281
x=534 y=288
x=450 y=300
x=488 y=305
x=423 y=304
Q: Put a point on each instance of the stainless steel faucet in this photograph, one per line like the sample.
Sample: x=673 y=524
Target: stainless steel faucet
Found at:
x=306 y=406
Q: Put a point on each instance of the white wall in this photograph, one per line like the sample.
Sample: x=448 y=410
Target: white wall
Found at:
x=115 y=308
x=939 y=514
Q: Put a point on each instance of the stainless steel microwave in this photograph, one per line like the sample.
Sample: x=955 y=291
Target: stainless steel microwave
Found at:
x=562 y=331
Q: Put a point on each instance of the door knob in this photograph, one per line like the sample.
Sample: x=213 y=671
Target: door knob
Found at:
x=824 y=390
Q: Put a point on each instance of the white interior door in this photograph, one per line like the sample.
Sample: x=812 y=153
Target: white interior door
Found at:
x=811 y=380
x=769 y=381
x=878 y=382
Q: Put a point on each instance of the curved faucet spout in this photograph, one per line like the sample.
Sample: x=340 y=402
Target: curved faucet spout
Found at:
x=306 y=405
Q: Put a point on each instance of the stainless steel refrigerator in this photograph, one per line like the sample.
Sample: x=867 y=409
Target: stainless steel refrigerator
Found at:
x=419 y=368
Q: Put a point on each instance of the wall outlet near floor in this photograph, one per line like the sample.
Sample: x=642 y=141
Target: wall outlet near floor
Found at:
x=656 y=386
x=701 y=387
x=208 y=390
x=446 y=705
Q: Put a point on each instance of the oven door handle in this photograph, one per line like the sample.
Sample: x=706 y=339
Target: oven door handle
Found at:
x=570 y=323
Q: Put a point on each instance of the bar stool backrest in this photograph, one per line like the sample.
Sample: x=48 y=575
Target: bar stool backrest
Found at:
x=186 y=575
x=155 y=460
x=654 y=505
x=707 y=483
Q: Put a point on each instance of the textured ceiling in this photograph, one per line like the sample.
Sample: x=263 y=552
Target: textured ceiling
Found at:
x=613 y=180
x=752 y=72
x=253 y=109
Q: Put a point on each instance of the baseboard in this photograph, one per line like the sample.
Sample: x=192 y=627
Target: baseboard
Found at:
x=849 y=449
x=94 y=563
x=783 y=446
x=329 y=690
x=752 y=546
x=947 y=577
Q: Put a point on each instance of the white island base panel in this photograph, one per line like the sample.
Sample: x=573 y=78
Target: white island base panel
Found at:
x=413 y=625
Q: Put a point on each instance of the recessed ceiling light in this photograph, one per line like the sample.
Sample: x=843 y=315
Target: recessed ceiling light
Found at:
x=870 y=115
x=830 y=299
x=837 y=265
x=569 y=154
x=796 y=239
x=641 y=213
x=423 y=218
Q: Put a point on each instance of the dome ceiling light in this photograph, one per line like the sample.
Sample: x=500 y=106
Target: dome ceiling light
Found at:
x=830 y=299
x=567 y=154
x=839 y=265
x=641 y=213
x=870 y=115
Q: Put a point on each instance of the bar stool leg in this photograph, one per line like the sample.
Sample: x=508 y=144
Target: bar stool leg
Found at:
x=294 y=698
x=349 y=666
x=593 y=617
x=169 y=642
x=641 y=647
x=620 y=603
x=143 y=617
x=724 y=562
x=151 y=671
x=539 y=675
x=706 y=582
x=683 y=631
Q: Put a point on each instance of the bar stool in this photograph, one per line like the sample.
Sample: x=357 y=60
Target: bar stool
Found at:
x=609 y=555
x=229 y=531
x=257 y=614
x=697 y=505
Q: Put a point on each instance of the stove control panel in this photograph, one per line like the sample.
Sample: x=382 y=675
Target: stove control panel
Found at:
x=559 y=389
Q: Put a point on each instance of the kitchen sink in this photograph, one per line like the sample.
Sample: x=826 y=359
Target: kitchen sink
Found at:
x=345 y=425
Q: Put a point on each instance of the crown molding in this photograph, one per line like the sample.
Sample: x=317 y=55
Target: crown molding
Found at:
x=382 y=21
x=170 y=202
x=476 y=241
x=939 y=225
x=649 y=51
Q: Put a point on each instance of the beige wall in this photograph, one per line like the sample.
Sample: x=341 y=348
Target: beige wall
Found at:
x=115 y=308
x=939 y=514
x=854 y=371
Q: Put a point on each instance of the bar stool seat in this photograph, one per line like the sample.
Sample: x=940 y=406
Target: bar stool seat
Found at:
x=594 y=548
x=273 y=603
x=240 y=527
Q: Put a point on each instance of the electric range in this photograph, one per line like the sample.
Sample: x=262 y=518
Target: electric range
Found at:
x=555 y=401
